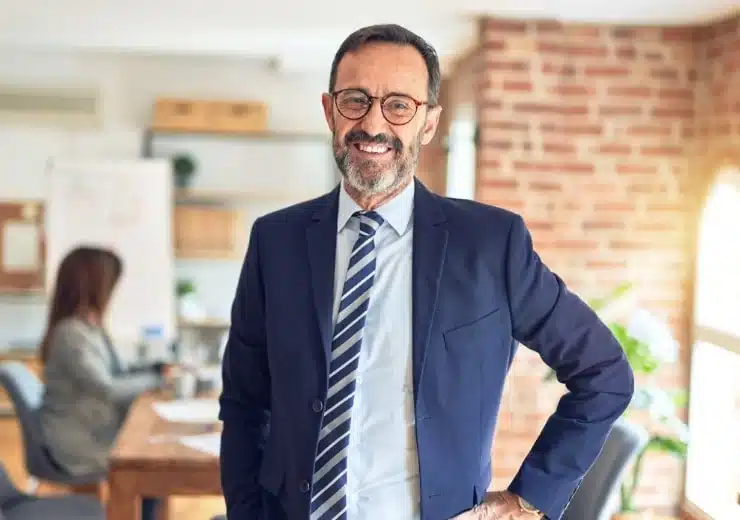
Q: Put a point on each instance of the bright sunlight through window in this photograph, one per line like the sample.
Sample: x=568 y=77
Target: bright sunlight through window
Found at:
x=713 y=466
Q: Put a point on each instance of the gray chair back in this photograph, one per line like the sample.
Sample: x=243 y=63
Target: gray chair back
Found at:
x=27 y=393
x=598 y=496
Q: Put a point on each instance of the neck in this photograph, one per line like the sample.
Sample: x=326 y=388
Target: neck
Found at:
x=371 y=202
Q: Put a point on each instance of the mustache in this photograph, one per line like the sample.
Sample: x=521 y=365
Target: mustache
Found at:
x=360 y=136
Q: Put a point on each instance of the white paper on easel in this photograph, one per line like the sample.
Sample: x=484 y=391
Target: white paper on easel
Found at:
x=20 y=247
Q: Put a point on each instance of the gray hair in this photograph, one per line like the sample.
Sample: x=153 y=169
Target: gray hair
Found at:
x=392 y=33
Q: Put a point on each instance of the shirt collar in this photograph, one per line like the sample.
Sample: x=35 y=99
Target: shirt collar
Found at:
x=397 y=211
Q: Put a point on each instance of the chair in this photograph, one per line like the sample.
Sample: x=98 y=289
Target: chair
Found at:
x=26 y=393
x=598 y=495
x=16 y=505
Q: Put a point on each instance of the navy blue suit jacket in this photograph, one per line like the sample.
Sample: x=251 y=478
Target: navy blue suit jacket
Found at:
x=479 y=289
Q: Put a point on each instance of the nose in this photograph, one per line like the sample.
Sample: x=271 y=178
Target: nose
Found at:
x=374 y=123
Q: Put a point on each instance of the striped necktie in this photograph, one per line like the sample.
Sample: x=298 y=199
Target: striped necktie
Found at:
x=329 y=498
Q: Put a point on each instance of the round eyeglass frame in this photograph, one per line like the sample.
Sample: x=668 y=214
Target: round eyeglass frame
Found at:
x=382 y=100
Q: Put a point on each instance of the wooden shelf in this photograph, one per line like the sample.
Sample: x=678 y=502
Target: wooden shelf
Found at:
x=269 y=135
x=208 y=323
x=219 y=197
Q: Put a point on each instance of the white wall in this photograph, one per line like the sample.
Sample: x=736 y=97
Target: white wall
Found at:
x=129 y=84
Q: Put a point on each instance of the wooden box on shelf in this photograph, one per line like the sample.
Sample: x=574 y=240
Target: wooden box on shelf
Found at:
x=237 y=116
x=207 y=232
x=180 y=114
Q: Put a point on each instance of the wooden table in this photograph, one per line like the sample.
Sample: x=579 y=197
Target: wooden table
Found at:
x=148 y=461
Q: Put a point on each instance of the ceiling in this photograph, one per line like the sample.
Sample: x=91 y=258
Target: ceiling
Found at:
x=297 y=36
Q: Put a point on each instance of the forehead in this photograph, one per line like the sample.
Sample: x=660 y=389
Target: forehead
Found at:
x=384 y=67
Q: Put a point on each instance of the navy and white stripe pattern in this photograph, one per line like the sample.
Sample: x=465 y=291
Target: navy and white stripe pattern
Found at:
x=329 y=498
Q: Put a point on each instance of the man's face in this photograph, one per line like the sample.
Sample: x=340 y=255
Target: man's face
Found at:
x=374 y=155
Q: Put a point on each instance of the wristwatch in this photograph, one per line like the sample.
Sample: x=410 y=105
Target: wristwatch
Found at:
x=526 y=507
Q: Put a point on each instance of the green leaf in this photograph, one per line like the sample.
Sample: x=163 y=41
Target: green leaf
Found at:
x=620 y=290
x=670 y=445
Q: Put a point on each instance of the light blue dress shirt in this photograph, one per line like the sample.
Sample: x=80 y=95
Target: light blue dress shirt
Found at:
x=382 y=460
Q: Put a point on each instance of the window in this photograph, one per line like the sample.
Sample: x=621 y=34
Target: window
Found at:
x=713 y=465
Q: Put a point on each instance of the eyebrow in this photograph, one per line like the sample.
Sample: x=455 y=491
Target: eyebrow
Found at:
x=367 y=92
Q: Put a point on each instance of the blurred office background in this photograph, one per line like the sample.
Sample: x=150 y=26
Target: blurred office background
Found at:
x=613 y=128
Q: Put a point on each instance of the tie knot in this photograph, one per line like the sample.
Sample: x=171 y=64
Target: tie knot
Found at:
x=370 y=221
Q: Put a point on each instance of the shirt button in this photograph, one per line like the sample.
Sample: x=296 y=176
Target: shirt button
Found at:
x=317 y=405
x=305 y=486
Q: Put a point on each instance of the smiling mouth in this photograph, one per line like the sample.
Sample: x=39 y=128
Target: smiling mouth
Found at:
x=374 y=149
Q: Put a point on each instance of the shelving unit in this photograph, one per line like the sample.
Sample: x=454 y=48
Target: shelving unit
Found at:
x=265 y=136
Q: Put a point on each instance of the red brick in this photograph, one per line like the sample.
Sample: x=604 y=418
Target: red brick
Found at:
x=609 y=71
x=624 y=33
x=664 y=73
x=572 y=90
x=548 y=27
x=517 y=86
x=501 y=184
x=673 y=113
x=649 y=130
x=505 y=125
x=558 y=148
x=636 y=169
x=662 y=150
x=614 y=149
x=554 y=108
x=508 y=65
x=623 y=110
x=590 y=225
x=545 y=186
x=494 y=45
x=632 y=91
x=554 y=69
x=676 y=93
x=573 y=51
x=679 y=34
x=626 y=53
x=572 y=130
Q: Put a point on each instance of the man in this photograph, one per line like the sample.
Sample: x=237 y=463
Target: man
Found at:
x=373 y=327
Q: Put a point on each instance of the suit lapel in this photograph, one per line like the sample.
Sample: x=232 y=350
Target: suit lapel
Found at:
x=429 y=249
x=321 y=236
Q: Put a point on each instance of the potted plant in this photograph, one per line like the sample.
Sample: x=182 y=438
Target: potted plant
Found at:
x=188 y=305
x=648 y=344
x=183 y=166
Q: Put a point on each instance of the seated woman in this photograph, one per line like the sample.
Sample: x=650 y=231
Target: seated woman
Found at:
x=87 y=391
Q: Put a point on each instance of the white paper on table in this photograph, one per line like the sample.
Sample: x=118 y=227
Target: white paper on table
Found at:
x=195 y=411
x=209 y=443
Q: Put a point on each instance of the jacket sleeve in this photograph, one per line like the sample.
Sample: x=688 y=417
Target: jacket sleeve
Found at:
x=81 y=354
x=245 y=398
x=586 y=357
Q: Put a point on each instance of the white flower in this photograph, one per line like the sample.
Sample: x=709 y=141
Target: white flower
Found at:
x=655 y=333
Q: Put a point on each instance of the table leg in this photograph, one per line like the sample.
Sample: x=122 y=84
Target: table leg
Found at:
x=164 y=509
x=123 y=501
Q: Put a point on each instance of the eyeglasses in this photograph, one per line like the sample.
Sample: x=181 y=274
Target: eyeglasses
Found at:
x=397 y=109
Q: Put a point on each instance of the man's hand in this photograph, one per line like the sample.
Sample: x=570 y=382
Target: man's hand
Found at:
x=497 y=505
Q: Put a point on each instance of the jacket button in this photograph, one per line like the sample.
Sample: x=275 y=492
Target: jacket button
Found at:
x=305 y=486
x=318 y=405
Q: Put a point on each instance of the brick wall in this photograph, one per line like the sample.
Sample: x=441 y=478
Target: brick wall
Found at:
x=718 y=96
x=603 y=138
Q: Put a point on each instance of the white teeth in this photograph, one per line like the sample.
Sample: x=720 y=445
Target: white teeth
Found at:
x=373 y=148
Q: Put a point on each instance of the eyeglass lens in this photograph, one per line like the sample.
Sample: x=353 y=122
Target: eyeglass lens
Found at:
x=397 y=109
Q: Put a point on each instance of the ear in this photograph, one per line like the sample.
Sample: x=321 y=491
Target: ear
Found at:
x=430 y=126
x=328 y=103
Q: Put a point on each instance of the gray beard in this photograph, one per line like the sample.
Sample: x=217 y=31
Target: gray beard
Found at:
x=401 y=169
